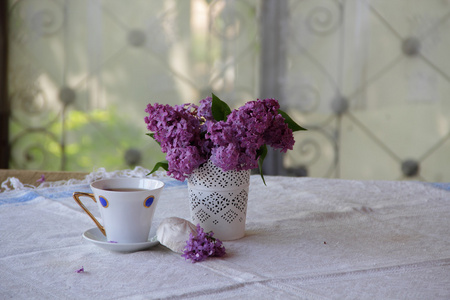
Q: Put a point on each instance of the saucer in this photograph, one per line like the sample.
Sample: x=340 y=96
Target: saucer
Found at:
x=94 y=236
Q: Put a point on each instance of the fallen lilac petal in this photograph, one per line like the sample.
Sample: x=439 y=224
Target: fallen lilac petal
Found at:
x=80 y=270
x=42 y=179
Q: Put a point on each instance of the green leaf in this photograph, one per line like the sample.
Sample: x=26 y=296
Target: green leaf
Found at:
x=152 y=135
x=161 y=164
x=262 y=152
x=220 y=110
x=291 y=123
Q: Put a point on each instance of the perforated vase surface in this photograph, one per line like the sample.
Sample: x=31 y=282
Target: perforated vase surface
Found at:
x=218 y=200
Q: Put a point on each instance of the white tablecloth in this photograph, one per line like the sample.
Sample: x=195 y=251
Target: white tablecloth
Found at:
x=306 y=238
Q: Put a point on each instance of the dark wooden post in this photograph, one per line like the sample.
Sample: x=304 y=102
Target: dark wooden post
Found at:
x=4 y=101
x=273 y=33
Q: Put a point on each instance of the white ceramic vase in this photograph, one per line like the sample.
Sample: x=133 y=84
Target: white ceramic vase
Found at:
x=218 y=200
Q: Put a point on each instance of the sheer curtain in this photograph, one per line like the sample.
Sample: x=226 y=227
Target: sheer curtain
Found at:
x=82 y=73
x=373 y=84
x=368 y=78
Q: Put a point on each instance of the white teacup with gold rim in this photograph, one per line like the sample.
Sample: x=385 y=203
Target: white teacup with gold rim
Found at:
x=127 y=207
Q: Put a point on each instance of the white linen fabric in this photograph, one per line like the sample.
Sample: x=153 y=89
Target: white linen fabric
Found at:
x=306 y=238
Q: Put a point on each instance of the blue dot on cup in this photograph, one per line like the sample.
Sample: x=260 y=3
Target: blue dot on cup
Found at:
x=103 y=201
x=148 y=201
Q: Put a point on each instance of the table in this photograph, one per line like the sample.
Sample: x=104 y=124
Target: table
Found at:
x=306 y=238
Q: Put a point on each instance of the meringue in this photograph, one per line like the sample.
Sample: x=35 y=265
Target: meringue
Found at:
x=173 y=233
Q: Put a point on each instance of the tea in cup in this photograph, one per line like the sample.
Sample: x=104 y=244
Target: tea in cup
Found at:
x=127 y=207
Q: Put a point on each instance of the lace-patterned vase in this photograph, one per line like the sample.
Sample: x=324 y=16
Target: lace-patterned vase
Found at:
x=218 y=200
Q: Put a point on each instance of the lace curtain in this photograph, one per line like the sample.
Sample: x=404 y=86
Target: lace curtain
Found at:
x=369 y=79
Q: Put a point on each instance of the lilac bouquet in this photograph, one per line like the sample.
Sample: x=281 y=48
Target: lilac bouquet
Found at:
x=237 y=140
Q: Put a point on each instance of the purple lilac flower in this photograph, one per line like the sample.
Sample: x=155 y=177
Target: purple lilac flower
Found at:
x=178 y=130
x=190 y=136
x=204 y=109
x=183 y=161
x=173 y=126
x=202 y=246
x=279 y=135
x=238 y=139
x=226 y=158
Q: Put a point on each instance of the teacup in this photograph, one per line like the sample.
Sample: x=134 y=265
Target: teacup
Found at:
x=126 y=205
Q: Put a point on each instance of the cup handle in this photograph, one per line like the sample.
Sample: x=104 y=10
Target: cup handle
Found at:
x=76 y=196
